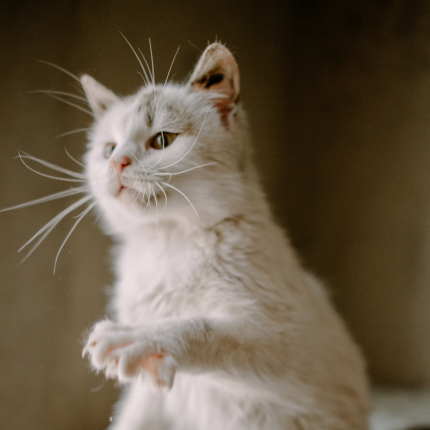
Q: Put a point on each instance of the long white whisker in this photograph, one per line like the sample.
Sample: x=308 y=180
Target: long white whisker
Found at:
x=183 y=171
x=148 y=81
x=143 y=78
x=165 y=195
x=167 y=77
x=72 y=229
x=180 y=192
x=191 y=147
x=67 y=102
x=74 y=159
x=60 y=68
x=135 y=53
x=57 y=219
x=152 y=62
x=78 y=130
x=61 y=93
x=78 y=88
x=41 y=239
x=50 y=176
x=146 y=62
x=55 y=196
x=53 y=166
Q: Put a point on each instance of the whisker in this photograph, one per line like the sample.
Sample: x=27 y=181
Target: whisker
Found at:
x=152 y=62
x=165 y=195
x=180 y=192
x=162 y=92
x=57 y=219
x=156 y=204
x=36 y=245
x=78 y=130
x=143 y=78
x=61 y=93
x=183 y=171
x=149 y=69
x=81 y=216
x=198 y=49
x=148 y=81
x=49 y=176
x=147 y=157
x=191 y=147
x=140 y=164
x=78 y=88
x=74 y=159
x=53 y=166
x=134 y=52
x=135 y=193
x=49 y=198
x=147 y=202
x=167 y=77
x=61 y=69
x=67 y=102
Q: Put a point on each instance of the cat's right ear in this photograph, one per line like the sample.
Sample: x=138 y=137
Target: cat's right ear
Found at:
x=217 y=72
x=99 y=97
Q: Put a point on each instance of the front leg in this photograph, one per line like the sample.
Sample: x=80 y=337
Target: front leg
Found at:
x=125 y=353
x=193 y=346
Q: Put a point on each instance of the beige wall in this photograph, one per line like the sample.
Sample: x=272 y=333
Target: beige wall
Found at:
x=339 y=100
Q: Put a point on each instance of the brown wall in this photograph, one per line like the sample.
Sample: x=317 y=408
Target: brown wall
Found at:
x=338 y=95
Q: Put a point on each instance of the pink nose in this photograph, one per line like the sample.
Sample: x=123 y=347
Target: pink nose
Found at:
x=120 y=165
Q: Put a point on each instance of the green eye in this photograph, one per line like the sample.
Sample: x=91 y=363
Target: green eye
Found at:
x=162 y=140
x=109 y=148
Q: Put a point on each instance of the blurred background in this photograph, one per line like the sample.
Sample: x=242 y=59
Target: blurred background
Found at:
x=338 y=95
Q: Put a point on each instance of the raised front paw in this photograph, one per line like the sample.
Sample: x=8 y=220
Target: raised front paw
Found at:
x=125 y=353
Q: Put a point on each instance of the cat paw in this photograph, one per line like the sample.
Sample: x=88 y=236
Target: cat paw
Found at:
x=126 y=353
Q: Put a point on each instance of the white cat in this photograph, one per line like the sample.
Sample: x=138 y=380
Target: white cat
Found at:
x=211 y=302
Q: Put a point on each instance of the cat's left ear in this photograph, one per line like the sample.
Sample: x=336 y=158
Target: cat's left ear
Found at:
x=99 y=97
x=217 y=72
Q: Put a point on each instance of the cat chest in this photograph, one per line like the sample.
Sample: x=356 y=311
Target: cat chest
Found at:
x=159 y=284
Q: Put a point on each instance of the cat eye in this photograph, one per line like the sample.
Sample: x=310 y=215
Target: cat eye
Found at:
x=109 y=148
x=162 y=140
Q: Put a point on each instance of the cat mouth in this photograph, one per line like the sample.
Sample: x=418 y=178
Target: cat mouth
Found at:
x=129 y=194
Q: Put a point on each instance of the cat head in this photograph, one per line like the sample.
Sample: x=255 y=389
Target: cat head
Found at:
x=169 y=152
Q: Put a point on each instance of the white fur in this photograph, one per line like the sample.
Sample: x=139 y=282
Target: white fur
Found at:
x=214 y=309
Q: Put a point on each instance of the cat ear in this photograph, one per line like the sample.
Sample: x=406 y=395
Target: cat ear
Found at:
x=99 y=97
x=217 y=72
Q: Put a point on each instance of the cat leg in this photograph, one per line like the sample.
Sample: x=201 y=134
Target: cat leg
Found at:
x=194 y=345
